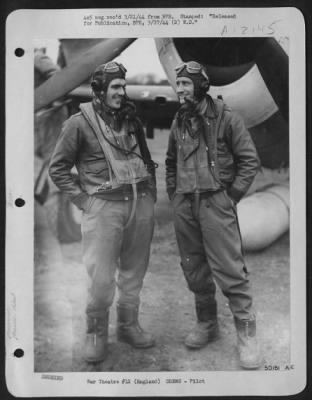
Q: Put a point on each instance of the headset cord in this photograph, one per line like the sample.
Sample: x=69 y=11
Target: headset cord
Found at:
x=133 y=184
x=149 y=163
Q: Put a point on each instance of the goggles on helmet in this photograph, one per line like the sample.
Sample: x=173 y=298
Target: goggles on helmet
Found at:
x=113 y=66
x=192 y=67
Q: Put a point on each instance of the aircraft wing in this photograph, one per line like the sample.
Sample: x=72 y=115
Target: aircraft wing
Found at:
x=78 y=70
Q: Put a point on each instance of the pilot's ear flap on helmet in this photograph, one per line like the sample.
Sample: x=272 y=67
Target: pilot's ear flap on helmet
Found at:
x=96 y=85
x=205 y=86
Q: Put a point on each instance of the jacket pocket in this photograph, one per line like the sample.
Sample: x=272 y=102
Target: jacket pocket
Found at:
x=187 y=147
x=225 y=163
x=96 y=167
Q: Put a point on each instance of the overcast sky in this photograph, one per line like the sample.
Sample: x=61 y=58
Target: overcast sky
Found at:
x=140 y=57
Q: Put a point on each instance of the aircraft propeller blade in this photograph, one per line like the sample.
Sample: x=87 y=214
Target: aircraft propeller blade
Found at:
x=68 y=78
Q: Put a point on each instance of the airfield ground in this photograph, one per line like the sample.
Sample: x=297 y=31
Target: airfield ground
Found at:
x=167 y=307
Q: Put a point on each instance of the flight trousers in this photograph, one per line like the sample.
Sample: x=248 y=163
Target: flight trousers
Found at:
x=116 y=256
x=211 y=251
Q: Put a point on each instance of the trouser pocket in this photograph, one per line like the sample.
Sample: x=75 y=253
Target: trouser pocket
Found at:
x=89 y=204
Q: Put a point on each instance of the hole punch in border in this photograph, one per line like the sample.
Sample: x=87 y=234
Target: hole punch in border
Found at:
x=20 y=202
x=19 y=52
x=19 y=353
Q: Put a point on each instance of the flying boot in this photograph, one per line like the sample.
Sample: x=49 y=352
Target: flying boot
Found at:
x=247 y=344
x=206 y=328
x=129 y=329
x=96 y=339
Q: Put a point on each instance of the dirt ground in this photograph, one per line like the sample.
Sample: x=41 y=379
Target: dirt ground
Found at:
x=167 y=307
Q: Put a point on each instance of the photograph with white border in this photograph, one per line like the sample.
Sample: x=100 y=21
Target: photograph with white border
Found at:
x=130 y=269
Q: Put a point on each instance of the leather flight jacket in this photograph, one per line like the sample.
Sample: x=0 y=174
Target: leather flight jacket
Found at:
x=234 y=163
x=79 y=146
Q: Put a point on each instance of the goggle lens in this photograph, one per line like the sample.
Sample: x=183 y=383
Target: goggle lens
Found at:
x=192 y=67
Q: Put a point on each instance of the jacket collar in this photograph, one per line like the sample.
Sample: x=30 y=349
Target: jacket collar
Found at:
x=210 y=107
x=207 y=107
